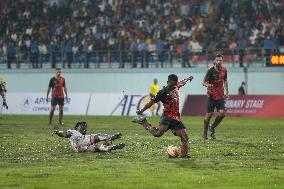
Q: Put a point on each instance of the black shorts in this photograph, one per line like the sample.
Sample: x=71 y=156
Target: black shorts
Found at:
x=212 y=104
x=55 y=101
x=172 y=124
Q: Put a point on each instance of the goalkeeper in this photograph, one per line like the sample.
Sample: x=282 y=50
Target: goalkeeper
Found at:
x=81 y=142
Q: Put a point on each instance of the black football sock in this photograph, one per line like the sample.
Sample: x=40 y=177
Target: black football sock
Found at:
x=50 y=116
x=217 y=121
x=60 y=116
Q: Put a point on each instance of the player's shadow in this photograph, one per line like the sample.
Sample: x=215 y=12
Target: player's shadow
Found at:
x=183 y=163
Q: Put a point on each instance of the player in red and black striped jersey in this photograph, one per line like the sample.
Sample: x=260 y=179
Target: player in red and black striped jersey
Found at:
x=217 y=91
x=170 y=119
x=57 y=84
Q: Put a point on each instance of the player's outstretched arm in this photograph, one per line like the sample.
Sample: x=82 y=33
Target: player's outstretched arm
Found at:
x=184 y=81
x=147 y=106
x=64 y=134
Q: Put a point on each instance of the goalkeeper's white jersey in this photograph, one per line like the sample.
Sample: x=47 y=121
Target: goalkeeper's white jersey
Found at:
x=78 y=141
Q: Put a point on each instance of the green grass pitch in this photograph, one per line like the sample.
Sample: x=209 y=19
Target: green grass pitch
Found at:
x=249 y=153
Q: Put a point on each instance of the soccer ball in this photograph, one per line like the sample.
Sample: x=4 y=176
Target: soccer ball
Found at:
x=172 y=151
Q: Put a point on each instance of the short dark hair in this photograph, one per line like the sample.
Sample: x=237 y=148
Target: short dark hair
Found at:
x=173 y=77
x=219 y=54
x=79 y=124
x=57 y=68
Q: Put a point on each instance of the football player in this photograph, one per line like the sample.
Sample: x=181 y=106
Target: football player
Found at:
x=216 y=83
x=81 y=142
x=170 y=119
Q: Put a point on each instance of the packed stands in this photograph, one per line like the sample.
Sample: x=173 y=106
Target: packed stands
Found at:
x=144 y=33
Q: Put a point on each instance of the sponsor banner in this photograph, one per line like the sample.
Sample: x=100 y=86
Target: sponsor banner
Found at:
x=35 y=103
x=261 y=106
x=121 y=104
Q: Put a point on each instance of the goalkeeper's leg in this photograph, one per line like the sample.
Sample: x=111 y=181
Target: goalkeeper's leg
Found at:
x=105 y=137
x=104 y=148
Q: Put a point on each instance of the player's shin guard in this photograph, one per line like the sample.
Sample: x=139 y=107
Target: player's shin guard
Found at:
x=60 y=115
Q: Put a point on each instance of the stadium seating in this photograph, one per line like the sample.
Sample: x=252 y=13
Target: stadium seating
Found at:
x=122 y=31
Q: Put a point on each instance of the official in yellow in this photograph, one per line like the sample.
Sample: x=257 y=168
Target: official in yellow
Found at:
x=154 y=89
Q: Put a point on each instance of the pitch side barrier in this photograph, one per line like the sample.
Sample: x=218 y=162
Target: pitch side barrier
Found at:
x=107 y=104
x=126 y=104
x=258 y=106
x=36 y=104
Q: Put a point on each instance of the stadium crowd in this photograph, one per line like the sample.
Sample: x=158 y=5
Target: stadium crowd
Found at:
x=79 y=28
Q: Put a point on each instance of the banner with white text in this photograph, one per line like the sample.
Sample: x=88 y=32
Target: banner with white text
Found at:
x=261 y=106
x=35 y=103
x=121 y=104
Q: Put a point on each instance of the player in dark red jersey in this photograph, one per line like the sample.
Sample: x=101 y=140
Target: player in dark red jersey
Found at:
x=170 y=119
x=217 y=90
x=57 y=84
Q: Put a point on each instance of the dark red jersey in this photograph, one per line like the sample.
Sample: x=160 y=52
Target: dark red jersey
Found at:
x=57 y=87
x=170 y=100
x=216 y=78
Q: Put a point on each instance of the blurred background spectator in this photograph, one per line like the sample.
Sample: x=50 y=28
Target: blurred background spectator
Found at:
x=242 y=90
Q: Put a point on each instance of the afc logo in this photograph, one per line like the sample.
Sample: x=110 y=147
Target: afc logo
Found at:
x=130 y=102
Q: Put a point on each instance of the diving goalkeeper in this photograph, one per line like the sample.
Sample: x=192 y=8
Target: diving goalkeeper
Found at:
x=81 y=142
